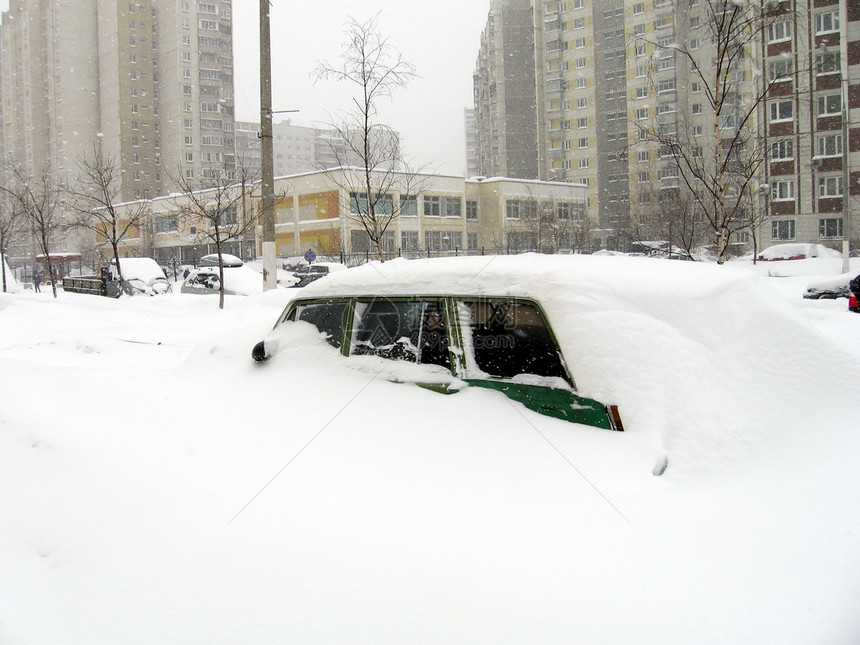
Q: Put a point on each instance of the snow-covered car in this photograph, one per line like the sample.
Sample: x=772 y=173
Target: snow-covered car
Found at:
x=227 y=260
x=446 y=330
x=797 y=251
x=315 y=271
x=831 y=288
x=238 y=281
x=139 y=276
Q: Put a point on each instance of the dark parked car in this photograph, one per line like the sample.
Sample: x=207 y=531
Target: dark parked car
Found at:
x=854 y=298
x=313 y=272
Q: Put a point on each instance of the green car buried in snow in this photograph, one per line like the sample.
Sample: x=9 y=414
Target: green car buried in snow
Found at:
x=501 y=343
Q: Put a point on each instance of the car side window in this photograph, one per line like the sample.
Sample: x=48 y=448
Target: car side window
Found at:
x=409 y=330
x=328 y=317
x=509 y=338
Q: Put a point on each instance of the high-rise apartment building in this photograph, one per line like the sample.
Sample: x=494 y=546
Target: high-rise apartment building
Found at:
x=615 y=80
x=504 y=91
x=150 y=81
x=297 y=149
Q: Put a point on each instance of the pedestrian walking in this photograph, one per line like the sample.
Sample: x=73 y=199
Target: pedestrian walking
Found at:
x=37 y=278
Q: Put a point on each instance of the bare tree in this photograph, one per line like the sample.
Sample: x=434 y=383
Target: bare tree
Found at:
x=213 y=207
x=8 y=227
x=725 y=163
x=376 y=68
x=670 y=216
x=94 y=199
x=37 y=202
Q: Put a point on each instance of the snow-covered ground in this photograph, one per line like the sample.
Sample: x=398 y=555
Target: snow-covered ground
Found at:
x=156 y=486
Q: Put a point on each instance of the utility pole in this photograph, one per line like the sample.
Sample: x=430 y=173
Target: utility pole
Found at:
x=267 y=183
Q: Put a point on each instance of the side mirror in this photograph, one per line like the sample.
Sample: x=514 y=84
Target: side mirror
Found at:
x=259 y=351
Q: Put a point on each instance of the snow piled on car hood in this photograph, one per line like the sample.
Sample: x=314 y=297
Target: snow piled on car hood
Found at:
x=143 y=269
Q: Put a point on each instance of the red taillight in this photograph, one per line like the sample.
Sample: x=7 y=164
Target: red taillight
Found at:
x=615 y=418
x=854 y=304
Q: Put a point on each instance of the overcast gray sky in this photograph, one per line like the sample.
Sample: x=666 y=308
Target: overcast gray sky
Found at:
x=441 y=38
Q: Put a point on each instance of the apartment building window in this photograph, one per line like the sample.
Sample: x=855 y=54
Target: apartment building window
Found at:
x=666 y=63
x=830 y=186
x=639 y=30
x=697 y=152
x=186 y=39
x=189 y=157
x=432 y=206
x=186 y=73
x=641 y=113
x=638 y=8
x=207 y=8
x=565 y=145
x=188 y=123
x=579 y=23
x=186 y=24
x=567 y=164
x=580 y=63
x=694 y=22
x=780 y=70
x=409 y=240
x=189 y=173
x=644 y=156
x=579 y=43
x=189 y=141
x=782 y=230
x=471 y=210
x=641 y=92
x=583 y=142
x=696 y=87
x=783 y=191
x=662 y=23
x=827 y=22
x=696 y=108
x=641 y=50
x=665 y=108
x=830 y=228
x=644 y=178
x=577 y=4
x=666 y=86
x=565 y=125
x=582 y=123
x=209 y=25
x=779 y=31
x=581 y=103
x=782 y=150
x=830 y=105
x=828 y=63
x=828 y=145
x=135 y=158
x=695 y=43
x=452 y=207
x=513 y=208
x=781 y=111
x=583 y=163
x=641 y=71
x=186 y=6
x=581 y=83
